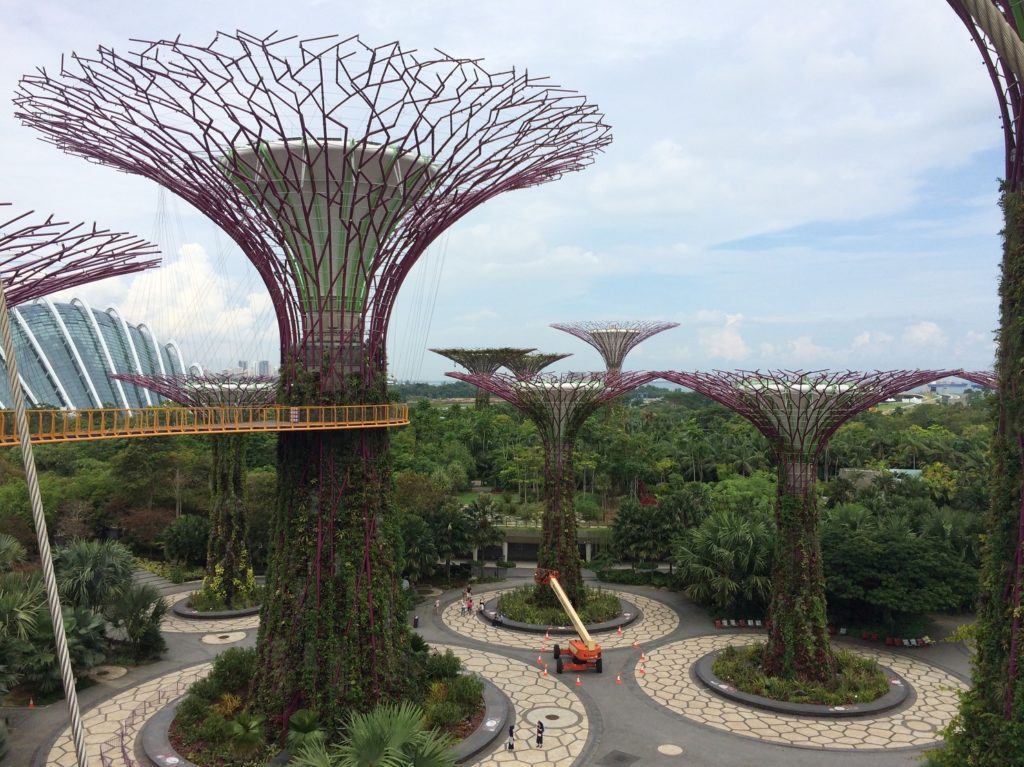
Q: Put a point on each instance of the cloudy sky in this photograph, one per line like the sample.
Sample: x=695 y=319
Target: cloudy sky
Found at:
x=796 y=184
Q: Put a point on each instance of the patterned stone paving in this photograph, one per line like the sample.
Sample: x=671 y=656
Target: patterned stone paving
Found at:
x=525 y=686
x=129 y=710
x=658 y=620
x=533 y=695
x=175 y=624
x=667 y=680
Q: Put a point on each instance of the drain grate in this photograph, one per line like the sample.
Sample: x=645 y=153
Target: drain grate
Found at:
x=617 y=759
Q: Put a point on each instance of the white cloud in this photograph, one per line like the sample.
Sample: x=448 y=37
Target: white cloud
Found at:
x=725 y=342
x=925 y=333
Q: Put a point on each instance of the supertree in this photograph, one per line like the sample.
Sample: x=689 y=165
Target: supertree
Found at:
x=41 y=257
x=482 y=362
x=798 y=412
x=991 y=721
x=37 y=258
x=333 y=165
x=614 y=340
x=529 y=365
x=559 y=405
x=229 y=575
x=986 y=378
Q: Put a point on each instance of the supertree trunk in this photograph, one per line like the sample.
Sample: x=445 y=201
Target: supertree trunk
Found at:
x=798 y=644
x=333 y=634
x=228 y=567
x=559 y=549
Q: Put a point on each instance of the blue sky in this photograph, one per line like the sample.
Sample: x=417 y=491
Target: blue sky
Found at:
x=797 y=185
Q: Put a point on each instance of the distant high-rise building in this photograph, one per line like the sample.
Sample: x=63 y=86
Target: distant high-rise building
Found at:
x=243 y=365
x=263 y=368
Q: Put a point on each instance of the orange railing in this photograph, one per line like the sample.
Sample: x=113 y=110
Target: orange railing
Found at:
x=111 y=423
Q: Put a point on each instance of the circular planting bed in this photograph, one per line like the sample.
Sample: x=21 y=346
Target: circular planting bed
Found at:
x=899 y=690
x=182 y=609
x=156 y=743
x=629 y=613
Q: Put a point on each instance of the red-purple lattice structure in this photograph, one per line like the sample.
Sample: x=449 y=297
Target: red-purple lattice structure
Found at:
x=333 y=165
x=529 y=365
x=482 y=362
x=995 y=27
x=614 y=340
x=41 y=257
x=559 y=405
x=798 y=411
x=986 y=378
x=229 y=575
x=209 y=389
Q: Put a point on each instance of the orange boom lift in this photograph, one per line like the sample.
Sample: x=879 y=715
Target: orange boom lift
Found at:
x=585 y=652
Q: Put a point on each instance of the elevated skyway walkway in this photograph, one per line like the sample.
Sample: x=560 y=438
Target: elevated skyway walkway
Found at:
x=112 y=423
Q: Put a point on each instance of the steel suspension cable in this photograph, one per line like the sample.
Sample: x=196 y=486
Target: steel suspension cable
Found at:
x=52 y=598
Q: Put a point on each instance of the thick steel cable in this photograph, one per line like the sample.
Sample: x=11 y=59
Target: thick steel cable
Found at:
x=1004 y=38
x=52 y=598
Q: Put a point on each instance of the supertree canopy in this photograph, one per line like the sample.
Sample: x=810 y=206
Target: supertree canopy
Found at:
x=333 y=165
x=986 y=378
x=559 y=405
x=799 y=412
x=229 y=580
x=528 y=365
x=991 y=721
x=482 y=362
x=39 y=257
x=614 y=340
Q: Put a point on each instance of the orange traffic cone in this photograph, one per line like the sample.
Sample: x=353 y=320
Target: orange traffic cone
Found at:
x=643 y=671
x=547 y=635
x=578 y=682
x=643 y=658
x=618 y=679
x=545 y=670
x=31 y=703
x=540 y=661
x=636 y=645
x=620 y=631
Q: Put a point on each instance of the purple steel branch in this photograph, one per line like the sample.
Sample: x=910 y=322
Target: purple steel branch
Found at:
x=798 y=411
x=529 y=365
x=1008 y=87
x=614 y=340
x=233 y=125
x=483 y=361
x=208 y=390
x=42 y=257
x=986 y=378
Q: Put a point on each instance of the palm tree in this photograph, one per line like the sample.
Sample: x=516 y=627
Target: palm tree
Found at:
x=392 y=735
x=93 y=573
x=725 y=562
x=11 y=552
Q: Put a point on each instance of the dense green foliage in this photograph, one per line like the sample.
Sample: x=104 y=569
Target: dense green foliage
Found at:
x=990 y=726
x=520 y=605
x=857 y=679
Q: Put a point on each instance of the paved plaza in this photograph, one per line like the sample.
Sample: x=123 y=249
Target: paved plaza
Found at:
x=645 y=709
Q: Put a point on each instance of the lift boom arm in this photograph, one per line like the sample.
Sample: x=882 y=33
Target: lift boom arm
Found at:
x=550 y=577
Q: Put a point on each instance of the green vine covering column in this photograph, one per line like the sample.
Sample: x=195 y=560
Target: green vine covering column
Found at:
x=989 y=730
x=559 y=549
x=229 y=575
x=798 y=643
x=332 y=634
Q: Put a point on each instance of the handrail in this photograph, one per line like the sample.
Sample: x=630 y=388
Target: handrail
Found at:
x=115 y=423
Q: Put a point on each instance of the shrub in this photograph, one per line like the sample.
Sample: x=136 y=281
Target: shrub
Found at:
x=185 y=539
x=144 y=528
x=11 y=552
x=443 y=665
x=87 y=643
x=246 y=734
x=233 y=669
x=3 y=739
x=137 y=612
x=304 y=730
x=466 y=691
x=92 y=574
x=521 y=605
x=443 y=715
x=857 y=680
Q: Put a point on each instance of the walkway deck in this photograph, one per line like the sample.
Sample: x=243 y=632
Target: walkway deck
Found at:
x=110 y=423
